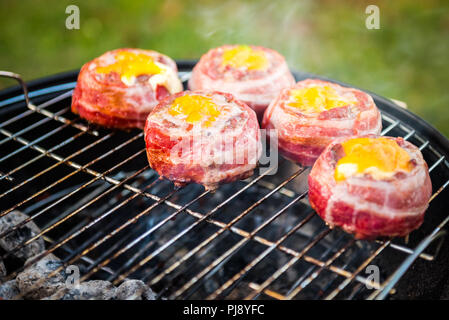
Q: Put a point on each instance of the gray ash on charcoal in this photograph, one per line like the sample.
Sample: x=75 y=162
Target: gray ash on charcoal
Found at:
x=135 y=290
x=34 y=282
x=104 y=290
x=89 y=290
x=2 y=269
x=13 y=239
x=9 y=290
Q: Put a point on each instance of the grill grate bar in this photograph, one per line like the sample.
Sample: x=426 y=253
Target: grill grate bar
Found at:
x=310 y=270
x=268 y=243
x=33 y=126
x=334 y=278
x=127 y=223
x=128 y=264
x=440 y=160
x=39 y=109
x=390 y=127
x=41 y=106
x=394 y=278
x=410 y=134
x=141 y=237
x=284 y=268
x=40 y=156
x=425 y=144
x=133 y=220
x=232 y=251
x=80 y=168
x=407 y=250
x=231 y=283
x=268 y=292
x=6 y=232
x=347 y=281
x=186 y=230
x=103 y=216
x=68 y=250
x=303 y=284
x=270 y=186
x=62 y=119
x=444 y=186
x=43 y=254
x=32 y=143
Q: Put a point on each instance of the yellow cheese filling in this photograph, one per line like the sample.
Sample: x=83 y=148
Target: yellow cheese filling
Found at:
x=129 y=65
x=379 y=157
x=317 y=99
x=195 y=108
x=245 y=57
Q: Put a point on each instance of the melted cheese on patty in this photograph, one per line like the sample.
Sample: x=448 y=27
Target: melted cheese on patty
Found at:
x=245 y=57
x=317 y=99
x=130 y=65
x=195 y=108
x=379 y=157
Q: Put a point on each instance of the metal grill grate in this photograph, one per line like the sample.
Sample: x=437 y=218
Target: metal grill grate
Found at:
x=100 y=206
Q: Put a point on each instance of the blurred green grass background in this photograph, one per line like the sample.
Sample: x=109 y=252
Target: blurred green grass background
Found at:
x=405 y=59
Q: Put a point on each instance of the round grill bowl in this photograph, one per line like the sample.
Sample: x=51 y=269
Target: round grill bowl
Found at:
x=234 y=263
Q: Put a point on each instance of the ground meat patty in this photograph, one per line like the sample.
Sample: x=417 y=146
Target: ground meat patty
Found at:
x=121 y=87
x=311 y=114
x=203 y=137
x=253 y=74
x=371 y=203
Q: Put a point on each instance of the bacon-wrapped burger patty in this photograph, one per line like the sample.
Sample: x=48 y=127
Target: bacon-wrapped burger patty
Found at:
x=203 y=137
x=121 y=87
x=371 y=186
x=254 y=75
x=312 y=113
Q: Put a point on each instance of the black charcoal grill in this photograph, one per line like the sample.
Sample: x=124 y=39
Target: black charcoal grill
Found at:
x=99 y=206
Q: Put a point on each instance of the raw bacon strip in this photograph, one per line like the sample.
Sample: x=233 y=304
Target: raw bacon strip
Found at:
x=368 y=207
x=253 y=82
x=203 y=137
x=115 y=100
x=304 y=133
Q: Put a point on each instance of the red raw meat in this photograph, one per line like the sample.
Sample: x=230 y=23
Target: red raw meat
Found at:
x=367 y=207
x=303 y=136
x=104 y=99
x=225 y=150
x=256 y=88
